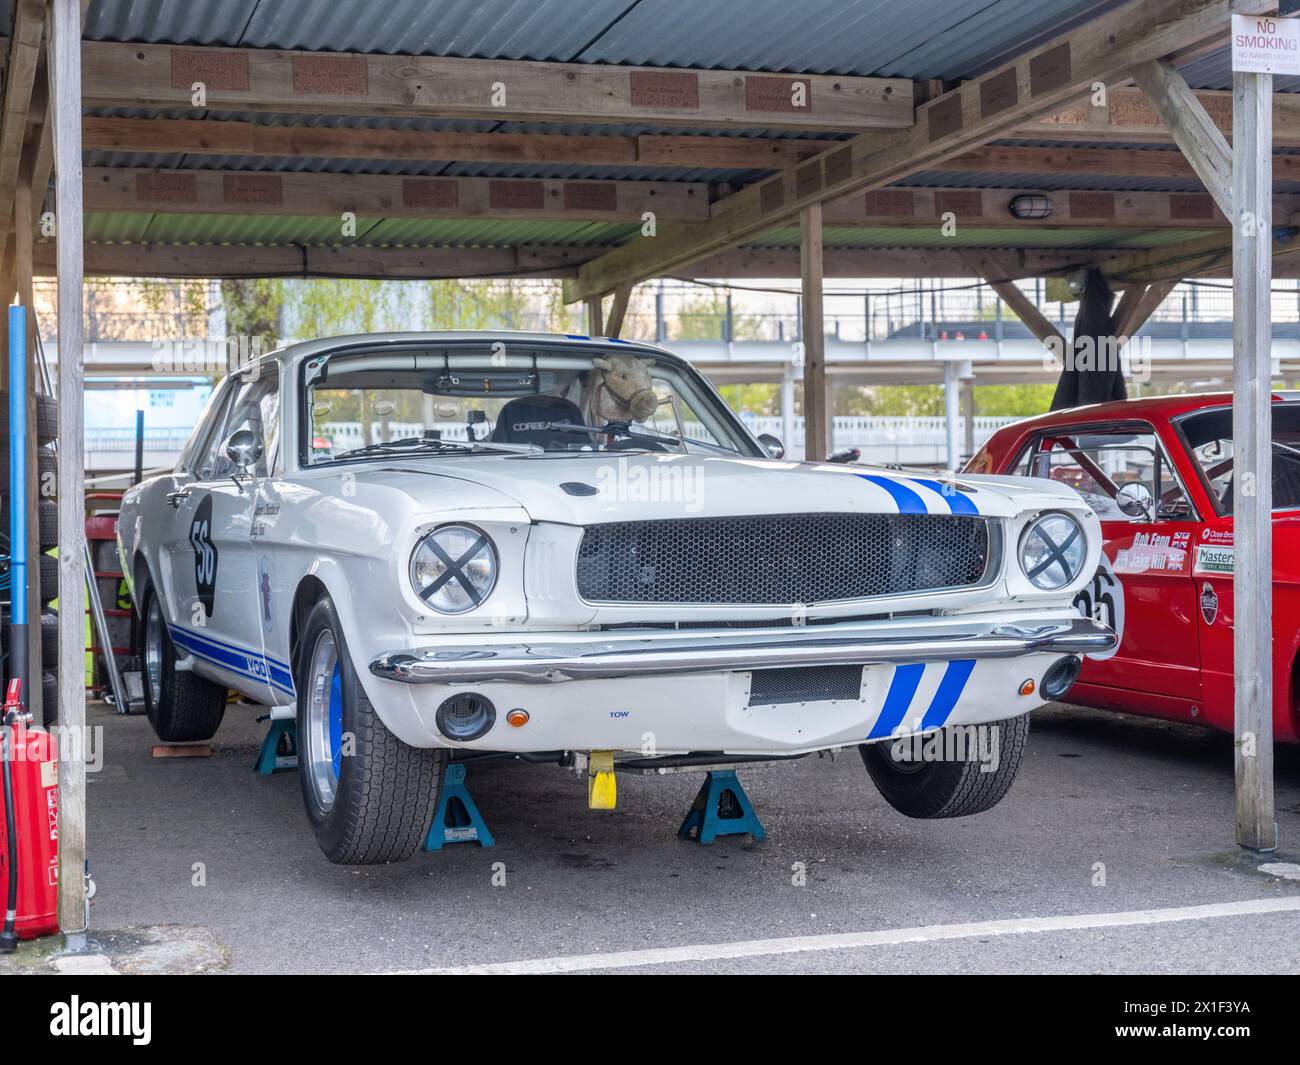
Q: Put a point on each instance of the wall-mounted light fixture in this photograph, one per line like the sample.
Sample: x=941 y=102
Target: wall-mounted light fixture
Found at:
x=1030 y=205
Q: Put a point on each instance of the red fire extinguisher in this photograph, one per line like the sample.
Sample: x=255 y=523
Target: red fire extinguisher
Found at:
x=29 y=826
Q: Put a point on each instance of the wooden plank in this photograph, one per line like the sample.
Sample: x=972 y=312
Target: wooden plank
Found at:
x=1128 y=116
x=1155 y=163
x=1252 y=419
x=24 y=49
x=816 y=396
x=1044 y=80
x=209 y=137
x=925 y=208
x=65 y=51
x=212 y=261
x=1190 y=125
x=263 y=79
x=388 y=196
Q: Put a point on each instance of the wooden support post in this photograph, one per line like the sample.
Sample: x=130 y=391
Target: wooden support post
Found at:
x=32 y=697
x=816 y=417
x=1137 y=305
x=617 y=312
x=1252 y=397
x=65 y=53
x=595 y=310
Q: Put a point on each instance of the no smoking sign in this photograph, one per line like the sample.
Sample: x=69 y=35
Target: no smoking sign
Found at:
x=1262 y=44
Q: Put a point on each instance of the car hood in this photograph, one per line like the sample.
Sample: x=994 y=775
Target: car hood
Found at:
x=594 y=488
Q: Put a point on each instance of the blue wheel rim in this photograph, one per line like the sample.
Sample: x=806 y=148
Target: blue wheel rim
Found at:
x=336 y=721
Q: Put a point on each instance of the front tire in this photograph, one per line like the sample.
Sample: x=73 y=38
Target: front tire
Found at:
x=951 y=788
x=373 y=803
x=182 y=706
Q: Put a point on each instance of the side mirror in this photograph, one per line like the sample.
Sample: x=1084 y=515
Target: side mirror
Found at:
x=1135 y=500
x=774 y=448
x=244 y=449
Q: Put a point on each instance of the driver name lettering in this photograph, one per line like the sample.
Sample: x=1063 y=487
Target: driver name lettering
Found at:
x=1152 y=551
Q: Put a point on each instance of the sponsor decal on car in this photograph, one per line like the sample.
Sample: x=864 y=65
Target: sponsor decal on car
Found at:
x=1213 y=558
x=1209 y=603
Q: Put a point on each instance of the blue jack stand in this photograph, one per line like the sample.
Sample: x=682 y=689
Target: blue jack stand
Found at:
x=721 y=809
x=282 y=733
x=456 y=820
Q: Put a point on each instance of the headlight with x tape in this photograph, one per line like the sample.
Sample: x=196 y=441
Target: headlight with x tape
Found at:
x=454 y=568
x=1052 y=551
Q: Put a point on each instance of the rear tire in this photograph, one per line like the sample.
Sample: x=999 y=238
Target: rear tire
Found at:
x=182 y=707
x=948 y=788
x=374 y=804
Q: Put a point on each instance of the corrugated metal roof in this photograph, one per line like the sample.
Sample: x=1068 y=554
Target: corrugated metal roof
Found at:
x=952 y=39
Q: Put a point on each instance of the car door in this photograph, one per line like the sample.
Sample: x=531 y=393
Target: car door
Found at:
x=208 y=522
x=1143 y=587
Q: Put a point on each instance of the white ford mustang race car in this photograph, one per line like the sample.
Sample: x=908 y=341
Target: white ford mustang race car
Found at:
x=570 y=546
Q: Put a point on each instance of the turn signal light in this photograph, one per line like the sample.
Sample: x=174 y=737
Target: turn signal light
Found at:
x=1027 y=687
x=519 y=718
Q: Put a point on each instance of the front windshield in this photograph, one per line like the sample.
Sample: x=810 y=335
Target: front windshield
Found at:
x=499 y=396
x=1209 y=437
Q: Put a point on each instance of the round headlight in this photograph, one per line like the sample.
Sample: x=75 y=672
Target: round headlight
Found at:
x=454 y=568
x=1052 y=551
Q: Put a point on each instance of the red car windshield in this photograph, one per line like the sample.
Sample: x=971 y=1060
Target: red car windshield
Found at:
x=1209 y=439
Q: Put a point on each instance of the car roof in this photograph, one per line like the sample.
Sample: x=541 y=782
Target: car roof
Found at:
x=295 y=351
x=1144 y=408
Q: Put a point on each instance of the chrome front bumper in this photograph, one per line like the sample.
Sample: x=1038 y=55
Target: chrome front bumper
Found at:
x=606 y=655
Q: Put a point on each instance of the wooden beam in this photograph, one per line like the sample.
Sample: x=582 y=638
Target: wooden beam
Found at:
x=1155 y=164
x=209 y=137
x=926 y=208
x=122 y=189
x=1136 y=305
x=994 y=272
x=816 y=397
x=617 y=312
x=215 y=261
x=65 y=54
x=1190 y=125
x=335 y=83
x=20 y=73
x=389 y=196
x=1044 y=80
x=1129 y=117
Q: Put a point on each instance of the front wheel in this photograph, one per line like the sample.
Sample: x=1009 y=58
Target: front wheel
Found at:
x=957 y=771
x=182 y=706
x=369 y=796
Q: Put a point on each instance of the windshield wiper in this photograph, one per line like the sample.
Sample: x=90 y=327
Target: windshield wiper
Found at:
x=624 y=431
x=409 y=444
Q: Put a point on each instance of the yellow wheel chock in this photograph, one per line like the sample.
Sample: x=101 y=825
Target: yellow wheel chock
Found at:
x=602 y=791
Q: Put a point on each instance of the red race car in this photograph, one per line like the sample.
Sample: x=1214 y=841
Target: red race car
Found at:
x=1158 y=473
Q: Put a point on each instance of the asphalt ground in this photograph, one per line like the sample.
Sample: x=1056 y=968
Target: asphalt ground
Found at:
x=201 y=865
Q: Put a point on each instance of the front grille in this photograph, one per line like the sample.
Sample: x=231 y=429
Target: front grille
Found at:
x=783 y=558
x=805 y=684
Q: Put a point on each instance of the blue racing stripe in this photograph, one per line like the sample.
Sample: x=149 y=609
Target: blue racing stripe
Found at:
x=949 y=691
x=246 y=663
x=958 y=502
x=908 y=501
x=897 y=700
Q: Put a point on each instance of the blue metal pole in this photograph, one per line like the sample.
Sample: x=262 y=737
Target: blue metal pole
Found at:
x=18 y=634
